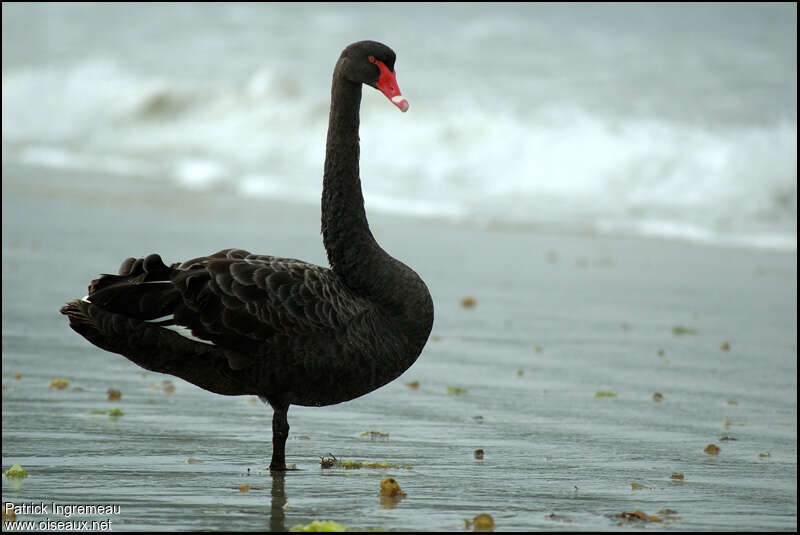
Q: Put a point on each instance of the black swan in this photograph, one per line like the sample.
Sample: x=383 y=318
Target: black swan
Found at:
x=285 y=330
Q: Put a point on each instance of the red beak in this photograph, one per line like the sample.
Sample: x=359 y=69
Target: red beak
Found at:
x=387 y=83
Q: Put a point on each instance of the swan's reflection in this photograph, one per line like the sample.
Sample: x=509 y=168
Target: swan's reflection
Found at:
x=276 y=511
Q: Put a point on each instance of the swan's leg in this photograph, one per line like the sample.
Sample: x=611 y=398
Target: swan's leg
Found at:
x=280 y=431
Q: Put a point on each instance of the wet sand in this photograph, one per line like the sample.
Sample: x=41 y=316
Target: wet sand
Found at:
x=557 y=319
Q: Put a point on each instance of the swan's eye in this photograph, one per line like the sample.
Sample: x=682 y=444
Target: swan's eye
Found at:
x=371 y=59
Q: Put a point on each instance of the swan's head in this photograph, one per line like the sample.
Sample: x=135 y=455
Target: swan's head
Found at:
x=372 y=63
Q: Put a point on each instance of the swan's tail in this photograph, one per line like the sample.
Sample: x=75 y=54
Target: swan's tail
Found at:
x=128 y=313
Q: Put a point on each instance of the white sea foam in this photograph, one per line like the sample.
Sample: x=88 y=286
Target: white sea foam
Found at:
x=198 y=173
x=531 y=142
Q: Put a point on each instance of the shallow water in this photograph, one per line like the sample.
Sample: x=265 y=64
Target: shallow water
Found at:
x=558 y=318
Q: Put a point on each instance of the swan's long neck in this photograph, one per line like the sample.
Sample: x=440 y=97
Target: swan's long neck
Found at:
x=345 y=231
x=353 y=253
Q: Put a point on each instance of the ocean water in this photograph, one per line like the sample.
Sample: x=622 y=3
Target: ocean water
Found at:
x=555 y=366
x=666 y=120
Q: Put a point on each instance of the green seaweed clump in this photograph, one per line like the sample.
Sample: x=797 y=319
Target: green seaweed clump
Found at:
x=113 y=413
x=349 y=464
x=16 y=472
x=373 y=435
x=605 y=394
x=456 y=390
x=482 y=522
x=320 y=525
x=58 y=383
x=680 y=330
x=638 y=515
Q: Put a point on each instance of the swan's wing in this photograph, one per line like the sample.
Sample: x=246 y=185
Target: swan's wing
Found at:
x=239 y=302
x=236 y=294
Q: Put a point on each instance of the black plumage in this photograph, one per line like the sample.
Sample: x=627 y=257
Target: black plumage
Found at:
x=283 y=329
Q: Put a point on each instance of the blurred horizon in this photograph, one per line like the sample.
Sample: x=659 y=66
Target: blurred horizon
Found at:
x=669 y=120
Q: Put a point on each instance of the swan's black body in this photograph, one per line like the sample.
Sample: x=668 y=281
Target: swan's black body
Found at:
x=286 y=330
